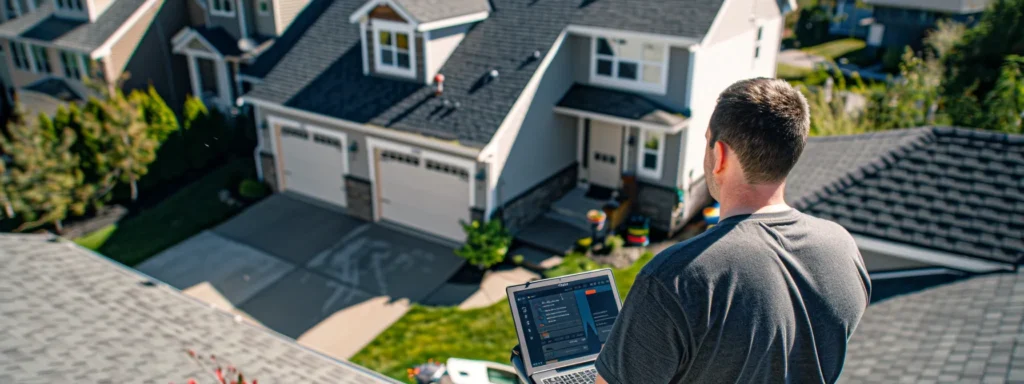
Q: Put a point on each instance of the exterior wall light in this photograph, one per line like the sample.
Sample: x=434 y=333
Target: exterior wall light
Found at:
x=353 y=147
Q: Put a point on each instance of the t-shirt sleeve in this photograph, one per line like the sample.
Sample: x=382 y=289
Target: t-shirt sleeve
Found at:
x=646 y=344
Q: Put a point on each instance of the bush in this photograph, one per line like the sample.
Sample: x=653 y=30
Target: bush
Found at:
x=614 y=243
x=486 y=244
x=252 y=190
x=518 y=259
x=891 y=60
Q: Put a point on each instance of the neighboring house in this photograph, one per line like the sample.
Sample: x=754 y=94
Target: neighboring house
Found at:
x=850 y=20
x=968 y=331
x=538 y=98
x=919 y=199
x=52 y=47
x=69 y=315
x=232 y=44
x=899 y=23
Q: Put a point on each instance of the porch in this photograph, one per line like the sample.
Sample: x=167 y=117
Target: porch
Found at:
x=214 y=59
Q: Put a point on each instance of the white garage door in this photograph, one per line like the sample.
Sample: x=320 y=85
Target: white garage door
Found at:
x=424 y=193
x=314 y=163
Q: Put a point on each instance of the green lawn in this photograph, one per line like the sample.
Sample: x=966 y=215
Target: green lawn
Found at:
x=189 y=211
x=438 y=333
x=790 y=72
x=835 y=49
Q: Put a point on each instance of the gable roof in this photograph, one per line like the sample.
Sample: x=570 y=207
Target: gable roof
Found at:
x=621 y=104
x=323 y=72
x=424 y=11
x=68 y=315
x=82 y=36
x=951 y=189
x=966 y=331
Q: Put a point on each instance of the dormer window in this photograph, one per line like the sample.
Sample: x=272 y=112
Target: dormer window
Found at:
x=394 y=48
x=630 y=64
x=222 y=8
x=70 y=5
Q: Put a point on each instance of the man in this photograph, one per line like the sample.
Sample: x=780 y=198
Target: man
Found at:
x=767 y=295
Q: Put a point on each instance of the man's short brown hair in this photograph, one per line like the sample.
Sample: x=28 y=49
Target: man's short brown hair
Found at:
x=766 y=122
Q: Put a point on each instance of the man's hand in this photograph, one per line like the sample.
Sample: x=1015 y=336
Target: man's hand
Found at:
x=600 y=380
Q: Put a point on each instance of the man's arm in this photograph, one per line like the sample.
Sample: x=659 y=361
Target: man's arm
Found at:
x=600 y=380
x=646 y=344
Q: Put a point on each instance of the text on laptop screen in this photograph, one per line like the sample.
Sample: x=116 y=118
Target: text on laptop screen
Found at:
x=567 y=321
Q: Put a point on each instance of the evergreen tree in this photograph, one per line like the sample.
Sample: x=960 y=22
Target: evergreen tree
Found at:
x=160 y=118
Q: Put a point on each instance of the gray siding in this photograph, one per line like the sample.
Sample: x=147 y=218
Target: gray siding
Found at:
x=230 y=24
x=579 y=47
x=263 y=24
x=877 y=262
x=149 y=59
x=441 y=45
x=288 y=10
x=546 y=142
x=196 y=14
x=678 y=80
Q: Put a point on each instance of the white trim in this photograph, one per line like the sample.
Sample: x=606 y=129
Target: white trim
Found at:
x=453 y=21
x=666 y=129
x=274 y=123
x=365 y=48
x=220 y=13
x=41 y=43
x=249 y=79
x=520 y=103
x=929 y=256
x=193 y=75
x=260 y=11
x=373 y=143
x=46 y=56
x=427 y=79
x=104 y=49
x=638 y=84
x=256 y=157
x=688 y=98
x=641 y=151
x=223 y=81
x=886 y=275
x=241 y=19
x=625 y=150
x=277 y=17
x=412 y=138
x=370 y=5
x=393 y=28
x=182 y=47
x=676 y=41
x=579 y=151
x=716 y=21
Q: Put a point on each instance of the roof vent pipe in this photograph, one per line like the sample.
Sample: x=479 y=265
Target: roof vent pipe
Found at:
x=439 y=80
x=494 y=74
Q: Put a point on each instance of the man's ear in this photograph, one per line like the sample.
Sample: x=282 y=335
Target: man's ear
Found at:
x=720 y=151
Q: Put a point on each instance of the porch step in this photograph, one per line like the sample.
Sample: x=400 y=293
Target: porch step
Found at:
x=576 y=220
x=550 y=235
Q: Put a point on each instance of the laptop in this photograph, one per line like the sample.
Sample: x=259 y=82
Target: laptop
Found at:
x=562 y=323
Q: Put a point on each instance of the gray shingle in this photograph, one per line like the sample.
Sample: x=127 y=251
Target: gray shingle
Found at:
x=619 y=104
x=82 y=36
x=960 y=332
x=67 y=315
x=940 y=188
x=323 y=71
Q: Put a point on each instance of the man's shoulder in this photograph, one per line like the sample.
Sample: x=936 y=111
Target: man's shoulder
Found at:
x=688 y=257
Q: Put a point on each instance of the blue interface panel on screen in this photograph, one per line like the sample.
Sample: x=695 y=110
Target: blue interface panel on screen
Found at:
x=566 y=322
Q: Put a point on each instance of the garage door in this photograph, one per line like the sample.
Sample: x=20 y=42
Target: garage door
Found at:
x=424 y=193
x=314 y=163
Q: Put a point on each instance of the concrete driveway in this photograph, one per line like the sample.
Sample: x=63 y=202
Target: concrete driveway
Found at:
x=310 y=272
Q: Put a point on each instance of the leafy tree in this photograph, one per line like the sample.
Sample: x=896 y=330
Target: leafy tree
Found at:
x=123 y=145
x=486 y=244
x=834 y=110
x=913 y=100
x=944 y=38
x=158 y=116
x=975 y=64
x=42 y=181
x=1005 y=103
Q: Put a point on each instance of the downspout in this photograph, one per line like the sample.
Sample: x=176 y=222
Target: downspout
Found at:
x=241 y=19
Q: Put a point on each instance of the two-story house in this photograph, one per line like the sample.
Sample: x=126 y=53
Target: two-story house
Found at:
x=230 y=45
x=850 y=19
x=425 y=113
x=51 y=48
x=900 y=23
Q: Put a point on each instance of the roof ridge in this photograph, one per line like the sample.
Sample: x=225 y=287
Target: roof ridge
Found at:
x=912 y=139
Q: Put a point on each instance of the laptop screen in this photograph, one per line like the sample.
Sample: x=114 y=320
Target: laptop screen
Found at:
x=568 y=321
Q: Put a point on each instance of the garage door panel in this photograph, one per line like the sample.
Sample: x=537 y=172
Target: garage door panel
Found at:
x=423 y=193
x=314 y=164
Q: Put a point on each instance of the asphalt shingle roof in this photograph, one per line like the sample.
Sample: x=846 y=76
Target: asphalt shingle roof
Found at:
x=284 y=43
x=82 y=36
x=323 y=71
x=433 y=10
x=950 y=189
x=619 y=104
x=69 y=316
x=970 y=331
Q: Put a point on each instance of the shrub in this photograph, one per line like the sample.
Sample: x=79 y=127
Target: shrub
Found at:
x=486 y=244
x=614 y=243
x=252 y=190
x=518 y=259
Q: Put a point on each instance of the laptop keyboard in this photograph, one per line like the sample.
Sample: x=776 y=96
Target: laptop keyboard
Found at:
x=588 y=376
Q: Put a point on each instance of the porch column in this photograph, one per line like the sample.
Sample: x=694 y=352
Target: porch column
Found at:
x=193 y=75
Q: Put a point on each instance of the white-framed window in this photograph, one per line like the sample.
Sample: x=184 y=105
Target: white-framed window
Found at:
x=75 y=65
x=651 y=154
x=224 y=8
x=12 y=9
x=70 y=5
x=629 y=63
x=41 y=58
x=263 y=7
x=19 y=55
x=394 y=48
x=757 y=43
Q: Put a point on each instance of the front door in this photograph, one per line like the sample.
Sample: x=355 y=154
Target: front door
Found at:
x=605 y=154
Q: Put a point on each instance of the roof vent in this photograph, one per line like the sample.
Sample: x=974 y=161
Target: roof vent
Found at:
x=246 y=44
x=494 y=74
x=536 y=55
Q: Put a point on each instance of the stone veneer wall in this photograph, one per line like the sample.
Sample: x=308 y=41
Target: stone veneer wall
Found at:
x=359 y=198
x=269 y=168
x=531 y=204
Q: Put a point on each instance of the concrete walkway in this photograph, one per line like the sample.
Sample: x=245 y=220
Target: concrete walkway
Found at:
x=800 y=59
x=314 y=274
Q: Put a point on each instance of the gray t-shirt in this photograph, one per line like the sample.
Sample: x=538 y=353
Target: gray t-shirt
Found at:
x=765 y=298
